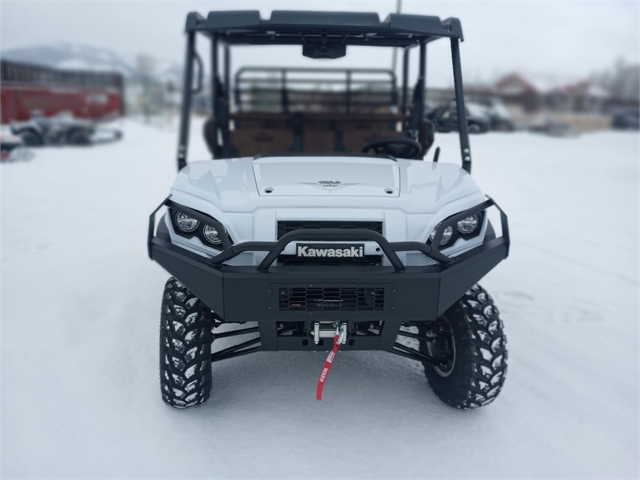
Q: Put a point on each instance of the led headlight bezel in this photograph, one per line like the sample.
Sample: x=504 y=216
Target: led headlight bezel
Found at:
x=456 y=232
x=217 y=234
x=447 y=234
x=199 y=230
x=187 y=218
x=475 y=217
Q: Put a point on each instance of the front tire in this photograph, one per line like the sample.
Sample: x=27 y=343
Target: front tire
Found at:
x=471 y=334
x=185 y=347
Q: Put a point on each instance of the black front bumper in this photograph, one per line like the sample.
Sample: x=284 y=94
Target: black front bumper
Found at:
x=264 y=294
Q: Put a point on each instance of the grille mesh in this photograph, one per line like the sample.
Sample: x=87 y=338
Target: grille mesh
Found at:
x=285 y=227
x=294 y=299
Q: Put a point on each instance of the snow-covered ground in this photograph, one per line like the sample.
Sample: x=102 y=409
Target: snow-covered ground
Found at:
x=81 y=300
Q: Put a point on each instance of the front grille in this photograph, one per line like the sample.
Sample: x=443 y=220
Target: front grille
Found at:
x=297 y=299
x=287 y=226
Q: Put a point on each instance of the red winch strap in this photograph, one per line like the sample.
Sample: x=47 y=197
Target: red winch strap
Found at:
x=327 y=367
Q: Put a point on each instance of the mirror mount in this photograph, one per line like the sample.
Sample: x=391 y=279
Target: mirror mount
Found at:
x=323 y=49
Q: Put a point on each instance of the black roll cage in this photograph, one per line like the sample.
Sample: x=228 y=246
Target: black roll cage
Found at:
x=323 y=30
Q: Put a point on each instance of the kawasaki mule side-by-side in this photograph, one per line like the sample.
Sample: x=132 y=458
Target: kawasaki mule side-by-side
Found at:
x=322 y=221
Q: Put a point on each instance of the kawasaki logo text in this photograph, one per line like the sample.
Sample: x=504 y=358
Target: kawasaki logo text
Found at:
x=334 y=251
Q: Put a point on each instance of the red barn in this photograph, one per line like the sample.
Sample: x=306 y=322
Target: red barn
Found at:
x=24 y=88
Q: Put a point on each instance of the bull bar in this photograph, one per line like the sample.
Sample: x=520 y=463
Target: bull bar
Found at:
x=239 y=294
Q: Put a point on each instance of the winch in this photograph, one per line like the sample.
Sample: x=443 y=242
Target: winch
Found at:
x=330 y=330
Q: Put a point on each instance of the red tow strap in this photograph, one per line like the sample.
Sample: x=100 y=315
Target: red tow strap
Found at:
x=326 y=367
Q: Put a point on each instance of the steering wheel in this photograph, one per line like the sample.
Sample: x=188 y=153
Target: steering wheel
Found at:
x=409 y=148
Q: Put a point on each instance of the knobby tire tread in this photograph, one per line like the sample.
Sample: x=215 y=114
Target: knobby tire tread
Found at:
x=480 y=365
x=185 y=347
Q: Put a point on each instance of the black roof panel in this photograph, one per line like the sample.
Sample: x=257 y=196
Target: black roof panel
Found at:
x=287 y=27
x=332 y=19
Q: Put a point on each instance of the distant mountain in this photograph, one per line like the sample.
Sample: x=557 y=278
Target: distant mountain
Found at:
x=83 y=57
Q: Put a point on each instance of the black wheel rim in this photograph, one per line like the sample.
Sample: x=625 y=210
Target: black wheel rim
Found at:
x=439 y=343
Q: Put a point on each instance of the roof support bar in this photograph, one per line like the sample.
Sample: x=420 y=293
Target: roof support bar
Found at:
x=405 y=80
x=214 y=73
x=422 y=79
x=417 y=108
x=227 y=75
x=465 y=149
x=220 y=92
x=183 y=142
x=224 y=125
x=423 y=61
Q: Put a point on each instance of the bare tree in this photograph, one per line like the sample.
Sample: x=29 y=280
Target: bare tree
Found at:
x=622 y=81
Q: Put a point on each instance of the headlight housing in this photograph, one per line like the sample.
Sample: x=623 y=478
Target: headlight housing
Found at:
x=210 y=234
x=467 y=228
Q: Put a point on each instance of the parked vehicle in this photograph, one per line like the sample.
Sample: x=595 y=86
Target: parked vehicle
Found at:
x=328 y=229
x=549 y=126
x=445 y=118
x=500 y=119
x=11 y=148
x=62 y=129
x=626 y=119
x=86 y=94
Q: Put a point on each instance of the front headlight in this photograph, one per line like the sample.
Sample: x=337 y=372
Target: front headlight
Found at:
x=188 y=227
x=446 y=235
x=211 y=235
x=469 y=224
x=186 y=223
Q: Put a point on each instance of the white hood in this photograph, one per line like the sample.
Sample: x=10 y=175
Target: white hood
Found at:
x=327 y=176
x=328 y=184
x=319 y=188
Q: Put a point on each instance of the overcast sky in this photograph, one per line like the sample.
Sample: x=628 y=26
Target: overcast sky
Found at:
x=563 y=38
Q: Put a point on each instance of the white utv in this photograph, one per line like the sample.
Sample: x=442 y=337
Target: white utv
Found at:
x=318 y=221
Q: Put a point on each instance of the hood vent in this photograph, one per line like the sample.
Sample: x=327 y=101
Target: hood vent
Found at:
x=323 y=176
